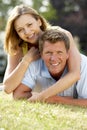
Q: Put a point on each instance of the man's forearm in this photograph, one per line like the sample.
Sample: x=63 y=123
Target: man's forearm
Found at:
x=22 y=92
x=67 y=101
x=24 y=95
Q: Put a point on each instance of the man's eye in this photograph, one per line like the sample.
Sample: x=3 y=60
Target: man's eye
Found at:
x=59 y=52
x=49 y=53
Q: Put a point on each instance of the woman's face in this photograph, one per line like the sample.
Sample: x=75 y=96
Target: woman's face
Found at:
x=28 y=28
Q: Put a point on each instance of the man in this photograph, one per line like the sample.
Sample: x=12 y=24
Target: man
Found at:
x=43 y=73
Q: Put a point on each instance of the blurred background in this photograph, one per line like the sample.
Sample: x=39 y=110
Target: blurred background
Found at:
x=69 y=14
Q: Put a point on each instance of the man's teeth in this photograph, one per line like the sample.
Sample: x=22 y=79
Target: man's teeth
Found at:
x=55 y=64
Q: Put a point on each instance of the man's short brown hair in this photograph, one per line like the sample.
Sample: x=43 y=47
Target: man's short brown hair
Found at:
x=53 y=35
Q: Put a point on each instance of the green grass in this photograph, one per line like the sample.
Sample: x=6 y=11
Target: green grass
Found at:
x=22 y=115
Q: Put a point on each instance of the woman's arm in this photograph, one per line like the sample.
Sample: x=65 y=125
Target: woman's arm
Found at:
x=74 y=57
x=16 y=69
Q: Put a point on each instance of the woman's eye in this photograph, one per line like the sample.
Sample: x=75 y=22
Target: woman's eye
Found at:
x=29 y=25
x=20 y=30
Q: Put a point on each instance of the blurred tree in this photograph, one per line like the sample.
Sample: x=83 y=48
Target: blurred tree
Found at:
x=72 y=15
x=45 y=8
x=5 y=6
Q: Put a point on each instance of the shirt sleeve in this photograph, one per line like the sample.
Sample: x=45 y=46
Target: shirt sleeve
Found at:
x=82 y=83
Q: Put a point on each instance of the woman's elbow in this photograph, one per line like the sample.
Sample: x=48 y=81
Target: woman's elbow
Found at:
x=6 y=88
x=77 y=75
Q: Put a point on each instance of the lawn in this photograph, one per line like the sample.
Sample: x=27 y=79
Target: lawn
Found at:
x=22 y=115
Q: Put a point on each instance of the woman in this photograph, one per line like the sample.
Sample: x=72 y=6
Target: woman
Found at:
x=23 y=29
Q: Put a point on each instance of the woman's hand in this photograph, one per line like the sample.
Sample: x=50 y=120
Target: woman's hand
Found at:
x=32 y=55
x=35 y=97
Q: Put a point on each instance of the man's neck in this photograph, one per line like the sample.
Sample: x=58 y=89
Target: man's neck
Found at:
x=57 y=76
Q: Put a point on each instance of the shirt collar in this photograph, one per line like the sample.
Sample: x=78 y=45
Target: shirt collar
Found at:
x=45 y=72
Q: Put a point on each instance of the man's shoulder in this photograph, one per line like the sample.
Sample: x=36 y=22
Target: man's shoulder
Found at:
x=83 y=63
x=83 y=59
x=37 y=62
x=83 y=56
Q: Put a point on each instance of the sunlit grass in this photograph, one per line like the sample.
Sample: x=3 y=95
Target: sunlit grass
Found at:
x=22 y=115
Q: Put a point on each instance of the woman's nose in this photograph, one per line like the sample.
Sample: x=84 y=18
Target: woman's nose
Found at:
x=26 y=31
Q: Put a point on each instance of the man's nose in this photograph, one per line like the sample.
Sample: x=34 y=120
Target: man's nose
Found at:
x=53 y=57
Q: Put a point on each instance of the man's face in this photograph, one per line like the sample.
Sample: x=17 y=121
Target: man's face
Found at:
x=55 y=57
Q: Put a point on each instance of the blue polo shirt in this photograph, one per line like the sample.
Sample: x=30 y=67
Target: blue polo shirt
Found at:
x=38 y=78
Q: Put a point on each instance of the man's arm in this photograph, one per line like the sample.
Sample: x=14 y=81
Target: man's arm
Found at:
x=67 y=101
x=59 y=100
x=22 y=92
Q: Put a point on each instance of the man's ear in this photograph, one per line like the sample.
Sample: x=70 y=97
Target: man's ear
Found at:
x=67 y=54
x=41 y=55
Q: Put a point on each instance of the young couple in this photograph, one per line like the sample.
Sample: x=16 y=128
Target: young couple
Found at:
x=24 y=27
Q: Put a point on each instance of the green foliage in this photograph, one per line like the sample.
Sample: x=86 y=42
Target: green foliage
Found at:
x=50 y=13
x=45 y=8
x=22 y=115
x=5 y=6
